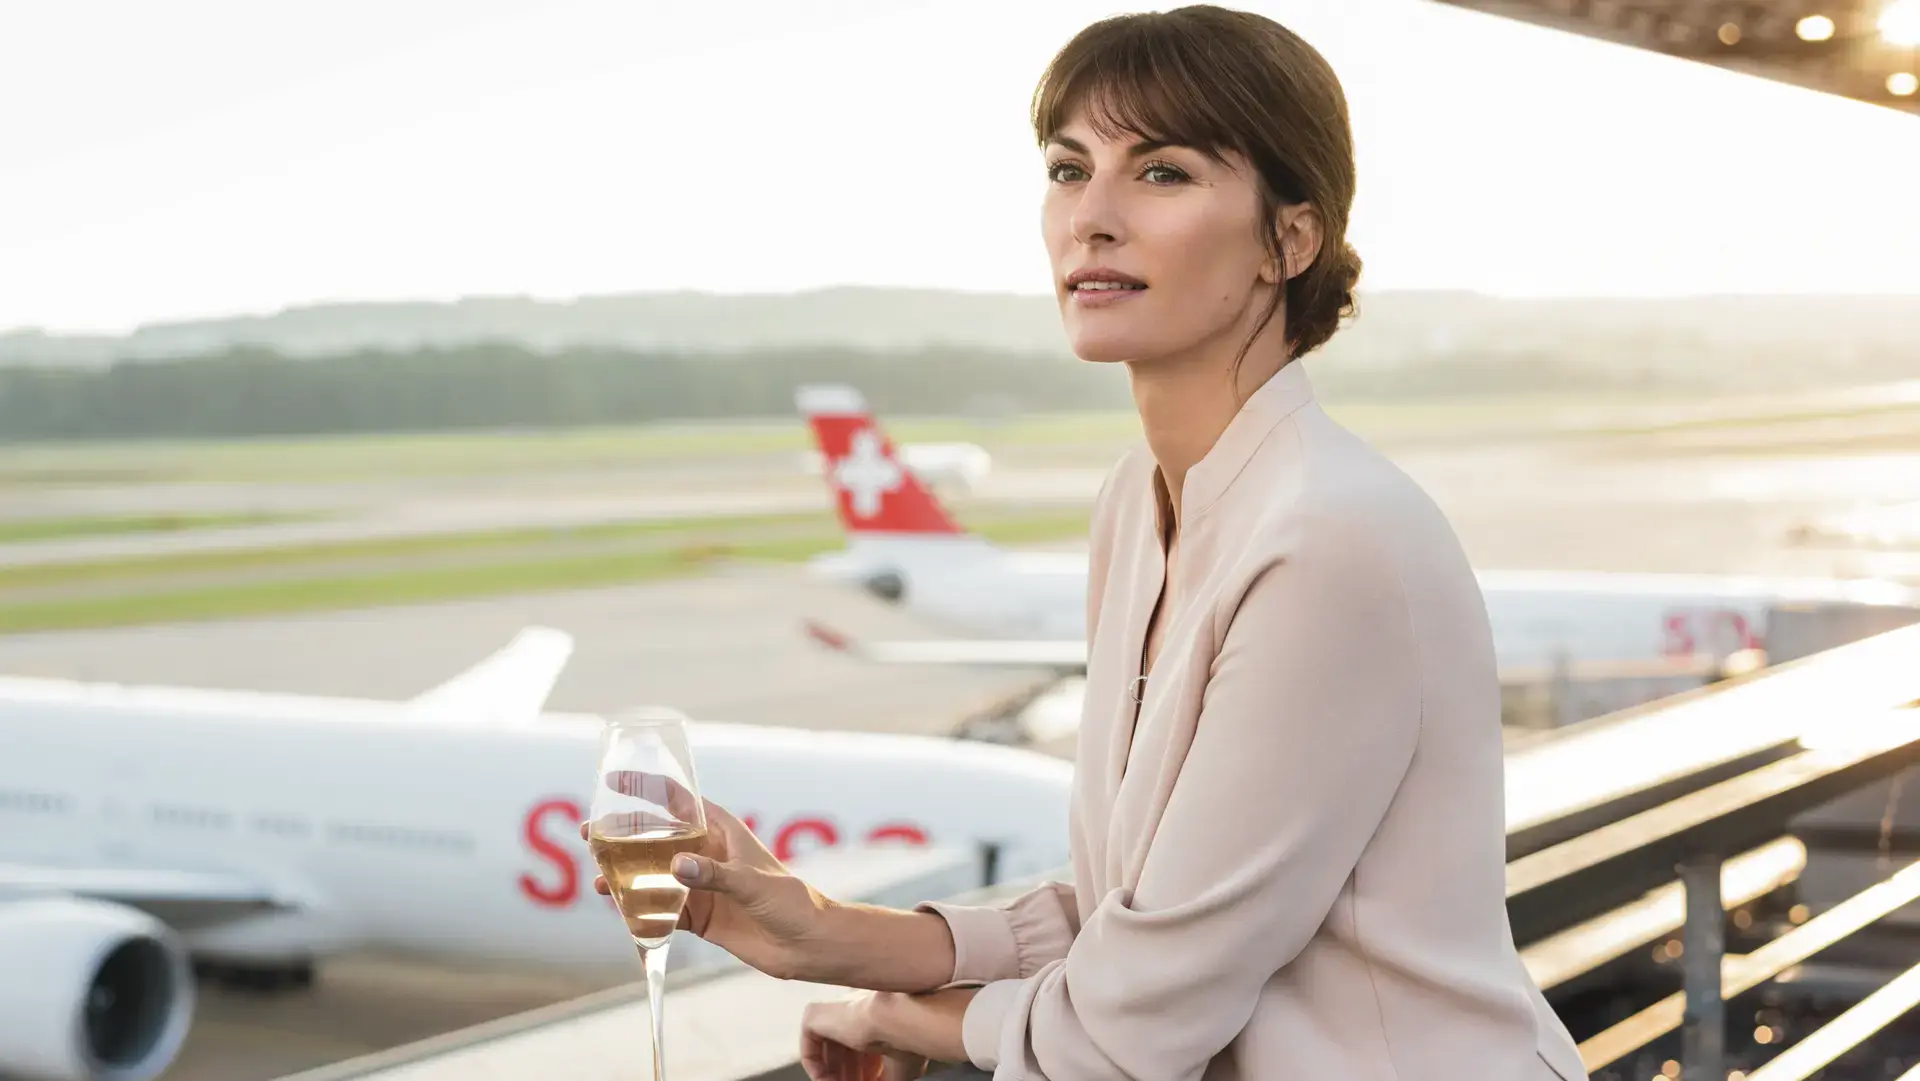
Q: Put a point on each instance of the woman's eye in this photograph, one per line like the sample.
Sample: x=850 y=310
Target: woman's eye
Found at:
x=1062 y=172
x=1163 y=174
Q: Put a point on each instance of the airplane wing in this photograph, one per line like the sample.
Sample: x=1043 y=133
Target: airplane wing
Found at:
x=182 y=899
x=1056 y=655
x=509 y=687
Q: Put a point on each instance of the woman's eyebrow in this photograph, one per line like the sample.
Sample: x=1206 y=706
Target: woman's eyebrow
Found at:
x=1143 y=148
x=1139 y=149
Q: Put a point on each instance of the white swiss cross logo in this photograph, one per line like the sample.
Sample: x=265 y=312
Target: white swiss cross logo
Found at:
x=866 y=473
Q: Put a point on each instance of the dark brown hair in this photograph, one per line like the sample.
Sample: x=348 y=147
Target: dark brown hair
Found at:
x=1217 y=80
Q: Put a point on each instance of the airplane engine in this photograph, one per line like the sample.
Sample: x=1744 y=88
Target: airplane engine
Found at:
x=889 y=586
x=89 y=991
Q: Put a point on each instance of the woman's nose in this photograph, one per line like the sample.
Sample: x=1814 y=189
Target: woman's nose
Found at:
x=1097 y=217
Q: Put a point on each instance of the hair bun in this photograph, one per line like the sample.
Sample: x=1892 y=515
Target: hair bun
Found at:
x=1321 y=297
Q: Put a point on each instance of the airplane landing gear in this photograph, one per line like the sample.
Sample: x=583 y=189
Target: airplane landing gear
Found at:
x=262 y=979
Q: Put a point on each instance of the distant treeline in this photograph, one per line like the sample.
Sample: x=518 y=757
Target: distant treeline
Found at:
x=257 y=392
x=253 y=392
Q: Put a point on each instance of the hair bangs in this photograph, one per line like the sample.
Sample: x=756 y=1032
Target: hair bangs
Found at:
x=1132 y=82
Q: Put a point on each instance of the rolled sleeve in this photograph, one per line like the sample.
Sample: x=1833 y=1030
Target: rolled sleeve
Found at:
x=984 y=1025
x=1011 y=941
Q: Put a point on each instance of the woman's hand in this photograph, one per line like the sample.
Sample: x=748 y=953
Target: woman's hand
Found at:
x=742 y=899
x=840 y=1041
x=882 y=1036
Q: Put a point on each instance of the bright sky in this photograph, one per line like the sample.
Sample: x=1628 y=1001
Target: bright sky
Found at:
x=209 y=157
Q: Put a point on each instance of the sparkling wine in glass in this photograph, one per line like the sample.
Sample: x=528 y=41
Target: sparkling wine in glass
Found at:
x=646 y=810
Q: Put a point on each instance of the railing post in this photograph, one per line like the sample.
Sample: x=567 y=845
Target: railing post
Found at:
x=1703 y=945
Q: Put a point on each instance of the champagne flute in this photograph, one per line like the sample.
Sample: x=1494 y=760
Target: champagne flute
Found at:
x=646 y=810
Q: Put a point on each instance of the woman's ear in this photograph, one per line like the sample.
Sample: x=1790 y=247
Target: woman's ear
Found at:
x=1298 y=228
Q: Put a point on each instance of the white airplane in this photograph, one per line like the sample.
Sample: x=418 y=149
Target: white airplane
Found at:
x=904 y=547
x=144 y=829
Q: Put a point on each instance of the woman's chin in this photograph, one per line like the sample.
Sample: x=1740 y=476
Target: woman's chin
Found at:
x=1104 y=348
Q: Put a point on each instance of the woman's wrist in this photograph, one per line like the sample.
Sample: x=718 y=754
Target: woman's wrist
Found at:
x=874 y=949
x=930 y=1025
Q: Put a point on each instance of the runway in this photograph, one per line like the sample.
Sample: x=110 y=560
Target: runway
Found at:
x=367 y=512
x=727 y=646
x=358 y=1005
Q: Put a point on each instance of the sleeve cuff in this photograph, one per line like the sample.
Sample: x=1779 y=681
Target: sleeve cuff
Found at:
x=985 y=1019
x=983 y=944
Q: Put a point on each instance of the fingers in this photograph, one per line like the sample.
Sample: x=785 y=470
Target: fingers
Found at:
x=820 y=1058
x=825 y=1060
x=727 y=836
x=707 y=873
x=717 y=814
x=682 y=805
x=834 y=1042
x=676 y=802
x=812 y=1056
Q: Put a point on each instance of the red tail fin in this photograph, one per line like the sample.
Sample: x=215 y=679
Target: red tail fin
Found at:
x=875 y=492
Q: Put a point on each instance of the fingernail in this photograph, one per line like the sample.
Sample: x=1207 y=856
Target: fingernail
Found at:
x=686 y=869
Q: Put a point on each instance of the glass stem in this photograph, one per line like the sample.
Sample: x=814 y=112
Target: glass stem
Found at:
x=655 y=960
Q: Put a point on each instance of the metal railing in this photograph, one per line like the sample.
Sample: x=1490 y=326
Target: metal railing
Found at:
x=1597 y=880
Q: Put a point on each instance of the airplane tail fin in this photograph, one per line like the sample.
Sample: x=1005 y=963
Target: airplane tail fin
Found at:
x=874 y=491
x=509 y=687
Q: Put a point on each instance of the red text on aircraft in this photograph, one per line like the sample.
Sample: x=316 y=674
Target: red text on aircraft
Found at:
x=786 y=843
x=898 y=831
x=553 y=818
x=1719 y=631
x=551 y=826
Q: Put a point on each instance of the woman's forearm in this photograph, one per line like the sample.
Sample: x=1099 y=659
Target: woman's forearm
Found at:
x=876 y=949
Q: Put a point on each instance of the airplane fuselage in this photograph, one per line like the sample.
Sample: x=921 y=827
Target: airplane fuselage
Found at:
x=1539 y=617
x=379 y=830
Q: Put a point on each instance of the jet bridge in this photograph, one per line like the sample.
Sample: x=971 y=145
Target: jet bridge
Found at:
x=1657 y=881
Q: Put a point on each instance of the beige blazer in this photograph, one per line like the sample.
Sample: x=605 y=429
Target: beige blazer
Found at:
x=1289 y=860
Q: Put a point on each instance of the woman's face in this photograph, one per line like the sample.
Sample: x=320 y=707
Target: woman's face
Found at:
x=1157 y=250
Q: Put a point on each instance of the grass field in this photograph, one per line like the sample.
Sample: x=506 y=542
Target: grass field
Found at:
x=361 y=457
x=421 y=569
x=1389 y=419
x=68 y=528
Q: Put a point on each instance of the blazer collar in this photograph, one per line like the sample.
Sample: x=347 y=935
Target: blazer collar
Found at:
x=1282 y=395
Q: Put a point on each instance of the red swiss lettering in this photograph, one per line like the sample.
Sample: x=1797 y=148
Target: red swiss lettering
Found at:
x=534 y=831
x=1742 y=634
x=1679 y=636
x=905 y=832
x=819 y=828
x=1717 y=631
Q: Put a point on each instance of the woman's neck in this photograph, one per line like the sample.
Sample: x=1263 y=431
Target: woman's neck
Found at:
x=1185 y=405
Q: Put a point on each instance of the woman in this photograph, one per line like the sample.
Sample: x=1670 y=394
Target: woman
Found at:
x=1287 y=827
